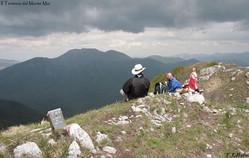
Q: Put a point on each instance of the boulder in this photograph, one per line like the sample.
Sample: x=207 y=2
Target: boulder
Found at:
x=195 y=98
x=81 y=135
x=74 y=150
x=29 y=149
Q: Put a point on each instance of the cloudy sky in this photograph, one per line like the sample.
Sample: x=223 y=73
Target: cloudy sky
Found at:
x=138 y=28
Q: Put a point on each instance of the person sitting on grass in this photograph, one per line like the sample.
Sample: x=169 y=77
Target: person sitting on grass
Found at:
x=173 y=84
x=136 y=87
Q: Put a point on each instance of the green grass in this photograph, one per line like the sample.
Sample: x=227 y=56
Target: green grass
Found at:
x=150 y=141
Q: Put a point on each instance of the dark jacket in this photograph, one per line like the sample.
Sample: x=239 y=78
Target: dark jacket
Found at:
x=174 y=84
x=136 y=87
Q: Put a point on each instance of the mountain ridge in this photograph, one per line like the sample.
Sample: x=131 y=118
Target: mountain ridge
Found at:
x=79 y=80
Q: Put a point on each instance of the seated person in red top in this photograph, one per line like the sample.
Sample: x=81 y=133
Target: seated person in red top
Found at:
x=136 y=87
x=192 y=84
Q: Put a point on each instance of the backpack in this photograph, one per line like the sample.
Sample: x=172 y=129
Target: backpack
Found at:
x=160 y=87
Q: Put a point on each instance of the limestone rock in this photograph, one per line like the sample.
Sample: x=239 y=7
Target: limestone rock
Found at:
x=195 y=98
x=81 y=135
x=101 y=137
x=247 y=75
x=52 y=142
x=247 y=100
x=2 y=148
x=109 y=150
x=74 y=150
x=29 y=148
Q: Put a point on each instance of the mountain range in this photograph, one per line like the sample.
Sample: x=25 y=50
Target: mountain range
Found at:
x=85 y=79
x=6 y=63
x=240 y=59
x=77 y=81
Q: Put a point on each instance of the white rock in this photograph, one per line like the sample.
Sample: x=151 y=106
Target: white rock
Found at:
x=78 y=133
x=247 y=82
x=123 y=122
x=195 y=98
x=123 y=118
x=29 y=148
x=247 y=74
x=2 y=148
x=173 y=129
x=52 y=142
x=136 y=109
x=209 y=156
x=208 y=147
x=109 y=150
x=101 y=137
x=233 y=78
x=141 y=106
x=151 y=94
x=247 y=100
x=230 y=135
x=138 y=116
x=74 y=150
x=123 y=132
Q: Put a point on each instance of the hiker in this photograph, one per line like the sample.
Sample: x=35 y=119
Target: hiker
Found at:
x=136 y=87
x=160 y=87
x=173 y=84
x=192 y=84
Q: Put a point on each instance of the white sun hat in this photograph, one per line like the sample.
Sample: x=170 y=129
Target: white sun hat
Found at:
x=138 y=68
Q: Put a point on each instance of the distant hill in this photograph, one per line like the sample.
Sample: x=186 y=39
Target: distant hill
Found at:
x=14 y=113
x=6 y=63
x=240 y=59
x=79 y=80
x=166 y=60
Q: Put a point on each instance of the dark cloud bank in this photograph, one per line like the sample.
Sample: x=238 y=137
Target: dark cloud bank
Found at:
x=127 y=15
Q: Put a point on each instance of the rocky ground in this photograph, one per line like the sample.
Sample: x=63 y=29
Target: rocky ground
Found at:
x=169 y=125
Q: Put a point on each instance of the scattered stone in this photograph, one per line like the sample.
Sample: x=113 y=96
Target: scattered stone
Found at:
x=46 y=135
x=141 y=128
x=209 y=156
x=109 y=150
x=247 y=74
x=231 y=89
x=74 y=150
x=123 y=132
x=189 y=126
x=247 y=82
x=2 y=148
x=241 y=151
x=233 y=78
x=52 y=142
x=138 y=116
x=151 y=94
x=208 y=147
x=166 y=102
x=230 y=95
x=29 y=149
x=173 y=129
x=247 y=100
x=78 y=133
x=230 y=135
x=101 y=137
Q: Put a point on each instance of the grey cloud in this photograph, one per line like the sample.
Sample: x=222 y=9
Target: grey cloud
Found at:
x=108 y=15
